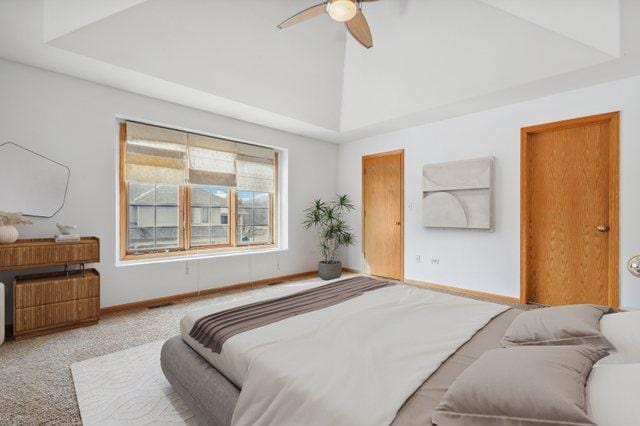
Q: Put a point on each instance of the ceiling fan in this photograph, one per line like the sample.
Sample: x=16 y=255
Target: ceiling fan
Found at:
x=347 y=11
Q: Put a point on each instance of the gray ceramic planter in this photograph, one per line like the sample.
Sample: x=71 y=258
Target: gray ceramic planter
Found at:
x=329 y=271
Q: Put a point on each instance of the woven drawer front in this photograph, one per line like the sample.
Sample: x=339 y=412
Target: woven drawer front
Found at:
x=31 y=253
x=54 y=314
x=36 y=290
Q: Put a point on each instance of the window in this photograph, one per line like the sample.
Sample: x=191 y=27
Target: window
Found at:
x=209 y=215
x=153 y=216
x=182 y=193
x=253 y=217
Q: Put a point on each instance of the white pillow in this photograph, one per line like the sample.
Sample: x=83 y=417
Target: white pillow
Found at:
x=622 y=330
x=612 y=395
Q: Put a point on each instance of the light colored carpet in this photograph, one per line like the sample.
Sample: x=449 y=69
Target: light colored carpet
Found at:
x=35 y=375
x=128 y=388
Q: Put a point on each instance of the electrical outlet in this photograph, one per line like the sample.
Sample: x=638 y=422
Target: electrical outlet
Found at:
x=418 y=260
x=187 y=268
x=435 y=261
x=410 y=206
x=278 y=262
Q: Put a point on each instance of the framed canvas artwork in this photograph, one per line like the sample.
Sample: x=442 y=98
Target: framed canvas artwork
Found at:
x=459 y=194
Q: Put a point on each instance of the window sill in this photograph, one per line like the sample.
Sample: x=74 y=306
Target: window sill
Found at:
x=148 y=259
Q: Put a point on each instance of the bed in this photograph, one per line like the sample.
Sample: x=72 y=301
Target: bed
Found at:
x=212 y=398
x=385 y=356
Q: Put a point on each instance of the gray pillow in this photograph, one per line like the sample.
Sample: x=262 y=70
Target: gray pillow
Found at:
x=558 y=325
x=526 y=385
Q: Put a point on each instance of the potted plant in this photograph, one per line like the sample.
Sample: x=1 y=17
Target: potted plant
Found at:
x=327 y=217
x=8 y=232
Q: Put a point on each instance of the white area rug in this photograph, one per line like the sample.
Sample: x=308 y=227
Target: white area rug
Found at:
x=126 y=388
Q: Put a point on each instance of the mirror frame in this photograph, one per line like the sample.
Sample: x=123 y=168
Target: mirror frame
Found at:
x=66 y=188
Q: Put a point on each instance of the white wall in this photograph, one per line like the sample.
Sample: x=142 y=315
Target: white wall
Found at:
x=73 y=121
x=490 y=261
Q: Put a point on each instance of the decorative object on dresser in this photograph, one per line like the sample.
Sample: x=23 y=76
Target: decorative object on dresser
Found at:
x=55 y=301
x=68 y=233
x=8 y=232
x=31 y=183
x=67 y=229
x=333 y=232
x=458 y=194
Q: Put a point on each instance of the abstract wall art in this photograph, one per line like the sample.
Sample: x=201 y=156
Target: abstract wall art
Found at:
x=459 y=194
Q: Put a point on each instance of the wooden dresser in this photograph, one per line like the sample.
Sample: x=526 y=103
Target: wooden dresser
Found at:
x=54 y=301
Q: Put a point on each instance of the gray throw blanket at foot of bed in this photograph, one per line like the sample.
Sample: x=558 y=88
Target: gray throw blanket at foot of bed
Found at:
x=213 y=330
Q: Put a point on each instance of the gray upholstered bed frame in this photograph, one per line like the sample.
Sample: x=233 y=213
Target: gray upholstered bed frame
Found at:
x=212 y=398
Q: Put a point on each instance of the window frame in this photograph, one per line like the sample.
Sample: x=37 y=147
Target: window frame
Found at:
x=184 y=248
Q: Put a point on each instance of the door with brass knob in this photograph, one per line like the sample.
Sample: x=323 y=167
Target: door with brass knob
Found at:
x=569 y=246
x=382 y=208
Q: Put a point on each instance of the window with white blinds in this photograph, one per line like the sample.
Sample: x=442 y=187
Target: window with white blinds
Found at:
x=187 y=191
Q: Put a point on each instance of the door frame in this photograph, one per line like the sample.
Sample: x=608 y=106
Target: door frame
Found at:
x=613 y=119
x=362 y=214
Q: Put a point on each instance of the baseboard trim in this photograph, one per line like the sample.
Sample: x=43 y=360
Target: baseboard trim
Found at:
x=205 y=292
x=351 y=270
x=465 y=292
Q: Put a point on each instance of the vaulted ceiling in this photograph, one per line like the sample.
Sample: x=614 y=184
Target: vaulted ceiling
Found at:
x=432 y=59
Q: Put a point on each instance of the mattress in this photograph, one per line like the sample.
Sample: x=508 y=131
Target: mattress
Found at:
x=212 y=397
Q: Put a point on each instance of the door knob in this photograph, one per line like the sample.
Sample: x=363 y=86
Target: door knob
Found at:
x=398 y=223
x=602 y=228
x=634 y=265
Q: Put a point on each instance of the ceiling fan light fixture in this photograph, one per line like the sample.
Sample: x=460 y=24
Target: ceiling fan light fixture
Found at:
x=347 y=11
x=342 y=10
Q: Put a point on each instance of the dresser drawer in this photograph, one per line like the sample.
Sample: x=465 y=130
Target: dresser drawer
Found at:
x=55 y=314
x=56 y=301
x=42 y=289
x=46 y=252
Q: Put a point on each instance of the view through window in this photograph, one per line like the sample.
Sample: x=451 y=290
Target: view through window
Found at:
x=184 y=192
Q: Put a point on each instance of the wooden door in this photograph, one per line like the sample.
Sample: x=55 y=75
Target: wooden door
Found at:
x=569 y=212
x=383 y=214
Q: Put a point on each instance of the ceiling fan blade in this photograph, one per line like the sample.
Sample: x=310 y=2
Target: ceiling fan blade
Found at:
x=359 y=29
x=306 y=14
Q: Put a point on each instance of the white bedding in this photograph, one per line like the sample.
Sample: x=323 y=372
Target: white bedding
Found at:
x=612 y=394
x=238 y=350
x=356 y=362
